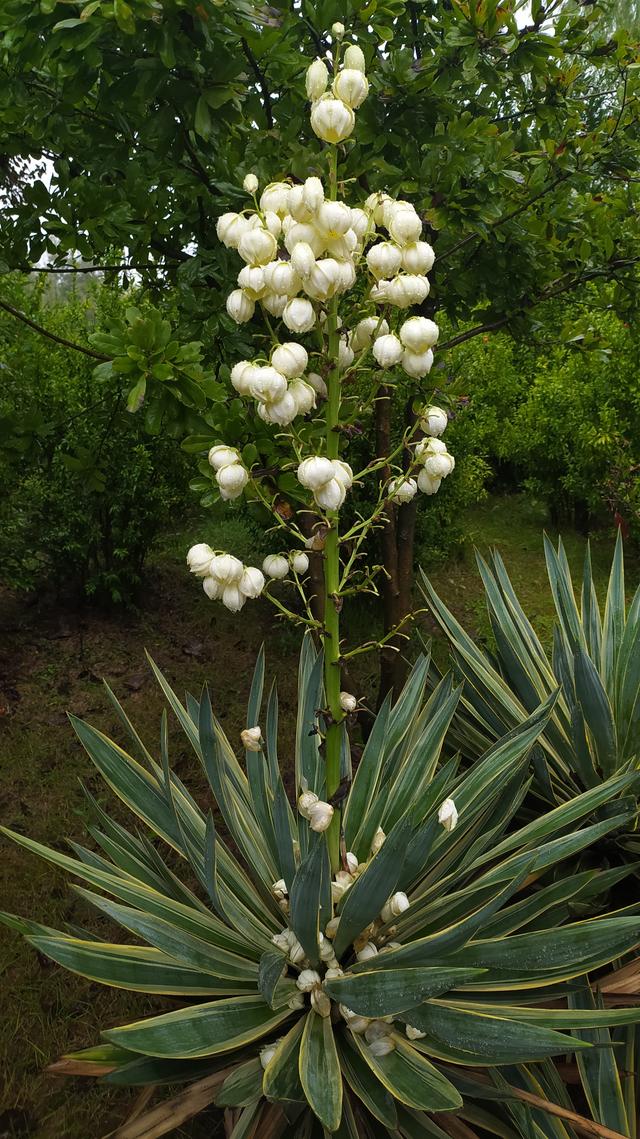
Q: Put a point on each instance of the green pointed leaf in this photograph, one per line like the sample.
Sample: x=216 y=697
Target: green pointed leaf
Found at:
x=410 y=1077
x=386 y=992
x=320 y=1070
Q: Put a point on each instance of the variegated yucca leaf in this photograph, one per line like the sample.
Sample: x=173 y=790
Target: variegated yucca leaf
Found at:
x=221 y=908
x=594 y=729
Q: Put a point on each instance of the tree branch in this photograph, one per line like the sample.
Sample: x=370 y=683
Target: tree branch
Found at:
x=141 y=268
x=507 y=217
x=50 y=335
x=262 y=80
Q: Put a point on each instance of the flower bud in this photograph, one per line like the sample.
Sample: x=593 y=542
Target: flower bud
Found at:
x=334 y=218
x=321 y=1002
x=439 y=466
x=257 y=246
x=337 y=30
x=315 y=471
x=382 y=1047
x=267 y=384
x=299 y=315
x=402 y=490
x=232 y=598
x=318 y=384
x=307 y=980
x=384 y=259
x=296 y=953
x=303 y=259
x=281 y=278
x=364 y=330
x=348 y=703
x=378 y=840
x=354 y=58
x=352 y=86
x=331 y=927
x=414 y=1033
x=331 y=495
x=282 y=940
x=316 y=80
x=367 y=952
x=226 y=569
x=333 y=973
x=239 y=379
x=419 y=333
x=232 y=481
x=275 y=566
x=199 y=559
x=434 y=421
x=324 y=279
x=212 y=588
x=396 y=905
x=448 y=815
x=230 y=228
x=251 y=583
x=418 y=257
x=357 y=1024
x=332 y=120
x=416 y=365
x=407 y=290
x=427 y=484
x=223 y=456
x=387 y=350
x=267 y=1054
x=250 y=183
x=299 y=563
x=313 y=194
x=303 y=396
x=275 y=197
x=252 y=741
x=290 y=359
x=274 y=303
x=404 y=225
x=239 y=307
x=352 y=861
x=320 y=816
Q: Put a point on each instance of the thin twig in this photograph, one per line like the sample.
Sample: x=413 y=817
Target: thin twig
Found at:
x=51 y=335
x=262 y=80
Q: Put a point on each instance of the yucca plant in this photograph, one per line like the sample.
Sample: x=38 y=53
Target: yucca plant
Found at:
x=350 y=1001
x=593 y=731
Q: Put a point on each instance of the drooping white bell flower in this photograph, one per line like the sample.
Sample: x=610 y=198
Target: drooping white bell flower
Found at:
x=406 y=290
x=402 y=490
x=299 y=563
x=303 y=259
x=419 y=333
x=316 y=80
x=343 y=473
x=251 y=739
x=267 y=384
x=313 y=194
x=354 y=58
x=275 y=197
x=317 y=383
x=299 y=315
x=298 y=208
x=417 y=365
x=281 y=411
x=257 y=246
x=427 y=484
x=250 y=183
x=337 y=30
x=290 y=359
x=331 y=495
x=346 y=273
x=434 y=421
x=348 y=703
x=323 y=281
x=199 y=559
x=332 y=120
x=275 y=566
x=223 y=456
x=280 y=277
x=397 y=904
x=363 y=333
x=346 y=355
x=306 y=800
x=352 y=861
x=251 y=583
x=320 y=816
x=275 y=303
x=240 y=375
x=352 y=86
x=315 y=471
x=384 y=259
x=251 y=281
x=439 y=466
x=448 y=814
x=367 y=952
x=226 y=569
x=360 y=223
x=418 y=257
x=387 y=350
x=303 y=232
x=334 y=218
x=232 y=598
x=212 y=588
x=403 y=224
x=240 y=307
x=308 y=979
x=230 y=227
x=303 y=396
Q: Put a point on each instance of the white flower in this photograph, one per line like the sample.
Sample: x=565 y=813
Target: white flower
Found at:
x=331 y=495
x=303 y=396
x=317 y=383
x=239 y=307
x=384 y=259
x=387 y=350
x=280 y=278
x=267 y=384
x=348 y=703
x=279 y=888
x=367 y=952
x=320 y=816
x=299 y=315
x=346 y=271
x=316 y=80
x=396 y=905
x=226 y=569
x=306 y=800
x=352 y=86
x=212 y=588
x=307 y=980
x=334 y=218
x=332 y=120
x=414 y=1033
x=341 y=883
x=346 y=354
x=199 y=559
x=380 y=291
x=296 y=952
x=352 y=861
x=232 y=598
x=250 y=183
x=252 y=741
x=274 y=303
x=448 y=815
x=406 y=290
x=313 y=194
x=223 y=456
x=290 y=359
x=315 y=471
x=321 y=1002
x=324 y=279
x=359 y=223
x=240 y=377
x=357 y=1024
x=375 y=204
x=230 y=228
x=419 y=333
x=232 y=480
x=272 y=223
x=331 y=928
x=378 y=840
x=382 y=1047
x=267 y=1054
x=333 y=973
x=439 y=466
x=281 y=411
x=337 y=30
x=354 y=57
x=299 y=563
x=303 y=233
x=364 y=330
x=404 y=225
x=402 y=490
x=251 y=583
x=275 y=566
x=298 y=208
x=434 y=420
x=418 y=257
x=275 y=197
x=303 y=258
x=417 y=365
x=427 y=484
x=257 y=246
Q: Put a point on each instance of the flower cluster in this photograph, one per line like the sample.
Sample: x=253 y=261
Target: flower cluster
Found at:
x=412 y=347
x=278 y=566
x=224 y=577
x=280 y=388
x=332 y=111
x=329 y=479
x=231 y=475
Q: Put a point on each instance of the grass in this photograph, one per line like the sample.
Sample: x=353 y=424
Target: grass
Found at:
x=53 y=660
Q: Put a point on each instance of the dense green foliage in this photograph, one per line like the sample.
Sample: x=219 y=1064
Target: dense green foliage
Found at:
x=85 y=488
